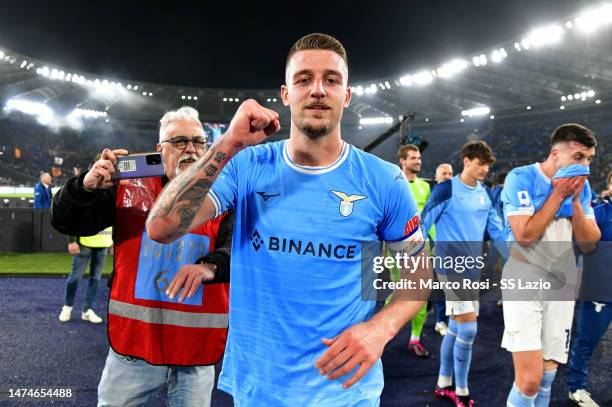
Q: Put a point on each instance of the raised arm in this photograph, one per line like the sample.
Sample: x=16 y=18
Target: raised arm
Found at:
x=184 y=204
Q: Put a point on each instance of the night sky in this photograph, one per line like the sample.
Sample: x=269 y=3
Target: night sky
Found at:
x=231 y=45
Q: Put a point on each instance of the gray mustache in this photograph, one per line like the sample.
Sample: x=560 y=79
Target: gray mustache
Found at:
x=188 y=157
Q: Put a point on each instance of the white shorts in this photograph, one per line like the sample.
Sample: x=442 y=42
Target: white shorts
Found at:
x=535 y=325
x=459 y=302
x=462 y=307
x=536 y=321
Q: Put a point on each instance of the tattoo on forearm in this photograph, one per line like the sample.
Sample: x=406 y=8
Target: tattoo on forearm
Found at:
x=183 y=197
x=220 y=156
x=210 y=170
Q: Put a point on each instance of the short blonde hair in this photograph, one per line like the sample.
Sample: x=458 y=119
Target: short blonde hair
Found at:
x=318 y=41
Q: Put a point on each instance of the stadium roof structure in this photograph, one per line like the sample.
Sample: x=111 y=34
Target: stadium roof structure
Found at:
x=561 y=66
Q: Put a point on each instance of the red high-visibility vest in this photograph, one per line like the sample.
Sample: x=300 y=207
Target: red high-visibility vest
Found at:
x=142 y=321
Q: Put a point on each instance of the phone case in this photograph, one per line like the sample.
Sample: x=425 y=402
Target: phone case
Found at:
x=139 y=166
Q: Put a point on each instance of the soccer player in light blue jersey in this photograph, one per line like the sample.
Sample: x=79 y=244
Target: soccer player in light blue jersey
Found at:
x=543 y=216
x=462 y=211
x=311 y=212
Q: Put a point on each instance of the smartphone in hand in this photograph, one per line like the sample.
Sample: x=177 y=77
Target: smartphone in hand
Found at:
x=139 y=166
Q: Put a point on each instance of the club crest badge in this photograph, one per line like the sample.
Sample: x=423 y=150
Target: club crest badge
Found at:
x=346 y=202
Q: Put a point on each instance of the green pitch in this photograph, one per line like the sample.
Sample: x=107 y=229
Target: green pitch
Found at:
x=17 y=195
x=42 y=264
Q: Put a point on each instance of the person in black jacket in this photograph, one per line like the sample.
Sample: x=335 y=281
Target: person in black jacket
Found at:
x=86 y=204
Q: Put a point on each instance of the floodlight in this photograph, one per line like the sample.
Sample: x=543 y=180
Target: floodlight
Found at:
x=451 y=68
x=496 y=56
x=422 y=78
x=477 y=111
x=375 y=120
x=550 y=34
x=591 y=20
x=43 y=112
x=406 y=80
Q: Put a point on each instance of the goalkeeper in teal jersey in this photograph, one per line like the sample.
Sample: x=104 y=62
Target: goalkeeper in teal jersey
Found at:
x=307 y=210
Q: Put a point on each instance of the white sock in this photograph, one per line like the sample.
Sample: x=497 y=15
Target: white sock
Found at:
x=444 y=381
x=461 y=392
x=415 y=338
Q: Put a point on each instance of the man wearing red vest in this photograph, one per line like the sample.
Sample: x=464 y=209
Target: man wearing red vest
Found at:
x=156 y=342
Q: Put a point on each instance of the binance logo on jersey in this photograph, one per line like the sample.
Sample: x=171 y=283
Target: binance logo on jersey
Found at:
x=256 y=240
x=303 y=247
x=346 y=202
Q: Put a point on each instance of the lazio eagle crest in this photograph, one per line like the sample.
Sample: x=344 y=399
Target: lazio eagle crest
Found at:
x=346 y=202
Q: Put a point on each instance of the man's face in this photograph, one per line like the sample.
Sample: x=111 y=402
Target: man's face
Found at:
x=412 y=162
x=47 y=179
x=443 y=173
x=476 y=168
x=565 y=154
x=176 y=160
x=316 y=91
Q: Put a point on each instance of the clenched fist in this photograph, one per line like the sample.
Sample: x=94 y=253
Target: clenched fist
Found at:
x=99 y=176
x=251 y=124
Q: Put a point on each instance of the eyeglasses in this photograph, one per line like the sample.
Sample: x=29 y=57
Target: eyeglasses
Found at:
x=181 y=142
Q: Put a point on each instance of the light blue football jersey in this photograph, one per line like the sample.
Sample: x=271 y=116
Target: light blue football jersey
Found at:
x=526 y=189
x=296 y=268
x=462 y=215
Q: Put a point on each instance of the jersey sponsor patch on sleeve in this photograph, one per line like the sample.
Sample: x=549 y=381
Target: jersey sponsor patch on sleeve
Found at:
x=523 y=197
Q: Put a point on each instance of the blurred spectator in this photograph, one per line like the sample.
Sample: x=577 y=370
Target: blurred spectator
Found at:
x=444 y=172
x=606 y=194
x=92 y=250
x=42 y=192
